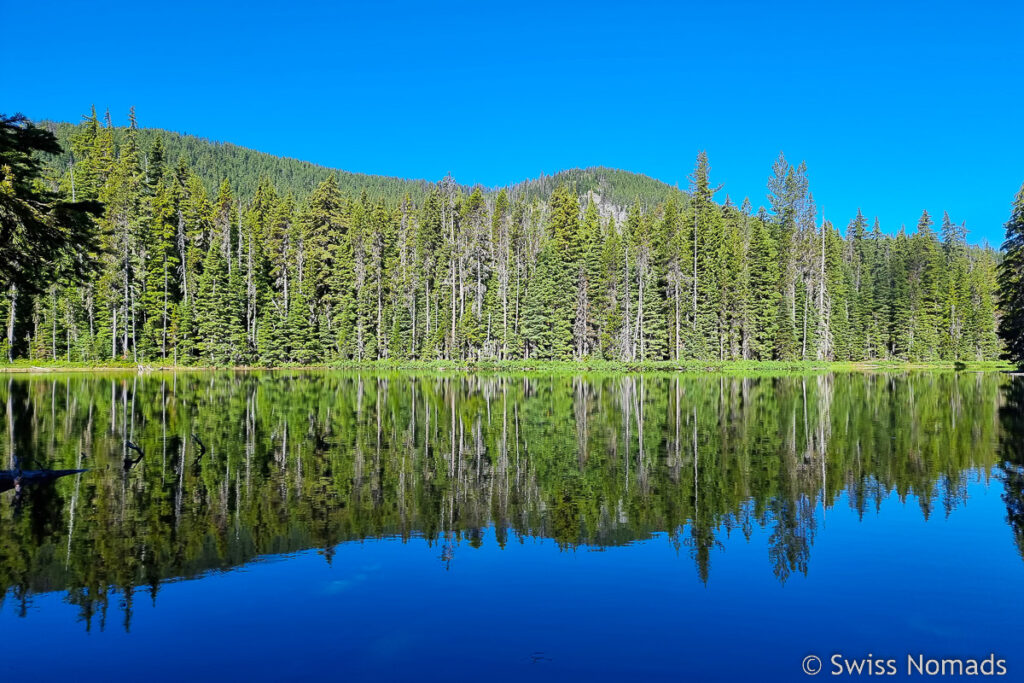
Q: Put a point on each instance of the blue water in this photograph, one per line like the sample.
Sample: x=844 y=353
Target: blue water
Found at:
x=439 y=528
x=889 y=585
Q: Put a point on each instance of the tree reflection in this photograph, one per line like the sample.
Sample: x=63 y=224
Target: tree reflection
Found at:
x=1011 y=465
x=200 y=471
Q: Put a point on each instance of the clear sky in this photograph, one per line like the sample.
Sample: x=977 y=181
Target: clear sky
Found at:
x=896 y=107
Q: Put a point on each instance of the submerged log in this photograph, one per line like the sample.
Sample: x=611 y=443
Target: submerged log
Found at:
x=10 y=478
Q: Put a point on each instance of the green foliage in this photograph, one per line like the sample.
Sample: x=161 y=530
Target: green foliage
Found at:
x=44 y=236
x=1011 y=283
x=215 y=255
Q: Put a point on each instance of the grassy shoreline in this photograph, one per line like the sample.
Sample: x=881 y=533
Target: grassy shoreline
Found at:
x=551 y=367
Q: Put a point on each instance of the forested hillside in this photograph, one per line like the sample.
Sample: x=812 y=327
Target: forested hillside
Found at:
x=214 y=161
x=614 y=187
x=585 y=264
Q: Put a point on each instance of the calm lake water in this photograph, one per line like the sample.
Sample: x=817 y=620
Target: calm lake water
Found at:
x=327 y=525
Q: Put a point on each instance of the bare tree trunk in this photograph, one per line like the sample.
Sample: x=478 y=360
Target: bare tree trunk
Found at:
x=695 y=270
x=675 y=296
x=113 y=328
x=163 y=332
x=451 y=348
x=639 y=337
x=135 y=342
x=803 y=351
x=124 y=301
x=380 y=334
x=53 y=322
x=10 y=323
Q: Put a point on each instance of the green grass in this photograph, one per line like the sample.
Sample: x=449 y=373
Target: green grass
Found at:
x=551 y=367
x=670 y=367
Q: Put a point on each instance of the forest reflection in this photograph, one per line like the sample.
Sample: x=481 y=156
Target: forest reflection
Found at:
x=197 y=471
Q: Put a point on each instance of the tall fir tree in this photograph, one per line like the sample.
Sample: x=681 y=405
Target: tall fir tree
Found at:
x=1011 y=283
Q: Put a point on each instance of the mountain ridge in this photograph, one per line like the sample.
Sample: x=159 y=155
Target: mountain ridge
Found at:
x=214 y=160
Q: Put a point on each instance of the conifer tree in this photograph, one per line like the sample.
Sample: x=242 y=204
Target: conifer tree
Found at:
x=881 y=284
x=954 y=290
x=213 y=308
x=837 y=286
x=563 y=256
x=900 y=336
x=1011 y=283
x=707 y=267
x=539 y=330
x=44 y=236
x=285 y=271
x=588 y=284
x=764 y=288
x=925 y=270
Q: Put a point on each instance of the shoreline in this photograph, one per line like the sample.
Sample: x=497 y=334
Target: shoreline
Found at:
x=521 y=366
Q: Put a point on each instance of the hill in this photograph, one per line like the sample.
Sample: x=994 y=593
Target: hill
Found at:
x=243 y=167
x=214 y=160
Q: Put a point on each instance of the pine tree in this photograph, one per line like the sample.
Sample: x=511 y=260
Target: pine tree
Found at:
x=213 y=309
x=84 y=180
x=787 y=193
x=1011 y=283
x=44 y=236
x=298 y=333
x=588 y=284
x=539 y=330
x=925 y=264
x=707 y=266
x=860 y=288
x=476 y=233
x=954 y=290
x=611 y=313
x=764 y=289
x=900 y=336
x=343 y=271
x=563 y=257
x=735 y=285
x=982 y=338
x=325 y=230
x=501 y=238
x=837 y=285
x=675 y=251
x=881 y=290
x=161 y=286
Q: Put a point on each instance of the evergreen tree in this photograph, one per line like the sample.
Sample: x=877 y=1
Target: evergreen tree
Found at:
x=1011 y=283
x=764 y=288
x=39 y=229
x=561 y=276
x=707 y=273
x=837 y=284
x=296 y=271
x=214 y=309
x=539 y=330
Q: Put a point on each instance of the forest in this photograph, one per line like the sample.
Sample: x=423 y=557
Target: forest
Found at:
x=212 y=255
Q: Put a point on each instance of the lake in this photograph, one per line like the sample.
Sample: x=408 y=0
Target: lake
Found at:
x=297 y=525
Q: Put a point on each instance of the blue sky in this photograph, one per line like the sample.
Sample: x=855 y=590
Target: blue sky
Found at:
x=896 y=107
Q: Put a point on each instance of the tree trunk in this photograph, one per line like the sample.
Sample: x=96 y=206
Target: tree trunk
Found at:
x=10 y=324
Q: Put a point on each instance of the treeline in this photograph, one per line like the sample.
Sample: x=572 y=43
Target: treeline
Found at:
x=193 y=277
x=213 y=161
